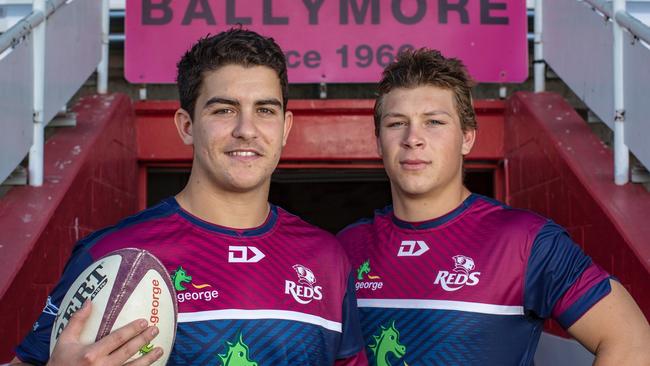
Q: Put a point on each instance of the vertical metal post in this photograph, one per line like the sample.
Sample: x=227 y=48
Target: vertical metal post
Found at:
x=621 y=151
x=539 y=65
x=36 y=152
x=102 y=68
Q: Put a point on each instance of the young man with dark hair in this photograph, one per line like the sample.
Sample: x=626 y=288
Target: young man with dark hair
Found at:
x=252 y=277
x=446 y=276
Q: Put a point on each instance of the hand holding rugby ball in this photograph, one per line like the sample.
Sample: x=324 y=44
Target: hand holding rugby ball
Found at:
x=124 y=285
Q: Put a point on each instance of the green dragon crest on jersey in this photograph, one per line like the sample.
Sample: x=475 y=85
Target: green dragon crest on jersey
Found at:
x=364 y=268
x=236 y=354
x=178 y=277
x=387 y=342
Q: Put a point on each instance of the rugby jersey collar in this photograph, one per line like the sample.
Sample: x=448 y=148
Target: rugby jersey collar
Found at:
x=271 y=219
x=433 y=223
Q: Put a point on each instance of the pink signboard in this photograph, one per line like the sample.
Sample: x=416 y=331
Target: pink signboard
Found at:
x=334 y=41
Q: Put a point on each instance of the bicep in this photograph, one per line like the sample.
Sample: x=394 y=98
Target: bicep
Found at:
x=614 y=328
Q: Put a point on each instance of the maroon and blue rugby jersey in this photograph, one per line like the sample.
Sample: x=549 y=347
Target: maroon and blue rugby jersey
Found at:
x=282 y=293
x=472 y=287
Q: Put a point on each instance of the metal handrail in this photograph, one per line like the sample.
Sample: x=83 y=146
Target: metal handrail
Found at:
x=24 y=27
x=634 y=25
x=601 y=6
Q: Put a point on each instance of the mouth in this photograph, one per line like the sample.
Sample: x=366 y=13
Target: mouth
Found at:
x=414 y=164
x=244 y=154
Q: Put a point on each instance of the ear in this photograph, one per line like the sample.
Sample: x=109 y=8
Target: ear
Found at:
x=183 y=122
x=288 y=122
x=469 y=137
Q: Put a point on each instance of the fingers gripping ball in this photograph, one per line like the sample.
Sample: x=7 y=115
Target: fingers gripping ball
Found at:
x=124 y=285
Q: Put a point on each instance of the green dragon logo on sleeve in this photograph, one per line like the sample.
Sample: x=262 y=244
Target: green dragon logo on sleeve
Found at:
x=178 y=277
x=387 y=342
x=237 y=354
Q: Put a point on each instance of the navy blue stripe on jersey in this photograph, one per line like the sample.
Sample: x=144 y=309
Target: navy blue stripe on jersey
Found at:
x=430 y=224
x=201 y=343
x=554 y=265
x=352 y=333
x=447 y=337
x=264 y=228
x=584 y=303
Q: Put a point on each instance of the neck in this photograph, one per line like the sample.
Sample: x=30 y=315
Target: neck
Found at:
x=417 y=208
x=237 y=210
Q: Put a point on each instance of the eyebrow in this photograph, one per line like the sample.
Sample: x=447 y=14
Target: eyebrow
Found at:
x=430 y=113
x=235 y=103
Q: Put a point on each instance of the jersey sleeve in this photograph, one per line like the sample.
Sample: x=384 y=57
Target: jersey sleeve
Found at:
x=35 y=347
x=351 y=339
x=561 y=280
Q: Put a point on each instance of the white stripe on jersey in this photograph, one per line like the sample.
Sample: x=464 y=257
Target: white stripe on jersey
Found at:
x=259 y=314
x=472 y=307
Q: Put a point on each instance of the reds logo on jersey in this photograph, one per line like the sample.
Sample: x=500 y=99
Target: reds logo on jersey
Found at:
x=461 y=276
x=304 y=291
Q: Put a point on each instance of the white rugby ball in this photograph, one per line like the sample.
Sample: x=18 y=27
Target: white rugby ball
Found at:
x=124 y=285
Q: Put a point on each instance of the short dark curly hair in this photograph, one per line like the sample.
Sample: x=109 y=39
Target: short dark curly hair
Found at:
x=425 y=66
x=235 y=46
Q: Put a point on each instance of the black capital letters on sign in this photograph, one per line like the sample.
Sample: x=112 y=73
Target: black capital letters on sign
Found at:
x=268 y=15
x=313 y=6
x=359 y=12
x=444 y=7
x=192 y=12
x=396 y=7
x=231 y=17
x=486 y=18
x=148 y=8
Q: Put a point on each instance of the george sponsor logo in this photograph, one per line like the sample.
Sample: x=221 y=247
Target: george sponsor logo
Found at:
x=304 y=291
x=461 y=276
x=241 y=254
x=181 y=279
x=412 y=248
x=363 y=272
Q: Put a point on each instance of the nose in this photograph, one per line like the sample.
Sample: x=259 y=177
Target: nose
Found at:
x=245 y=128
x=413 y=137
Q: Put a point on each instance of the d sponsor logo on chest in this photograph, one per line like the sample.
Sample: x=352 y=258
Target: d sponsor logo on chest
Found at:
x=461 y=276
x=304 y=291
x=412 y=248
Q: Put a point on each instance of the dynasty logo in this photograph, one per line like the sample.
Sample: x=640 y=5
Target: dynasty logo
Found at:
x=304 y=291
x=373 y=282
x=180 y=278
x=462 y=274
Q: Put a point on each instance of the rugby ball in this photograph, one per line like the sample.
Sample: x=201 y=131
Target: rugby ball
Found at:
x=124 y=285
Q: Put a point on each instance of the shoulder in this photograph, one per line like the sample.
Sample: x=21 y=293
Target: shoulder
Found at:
x=366 y=226
x=299 y=230
x=139 y=222
x=508 y=220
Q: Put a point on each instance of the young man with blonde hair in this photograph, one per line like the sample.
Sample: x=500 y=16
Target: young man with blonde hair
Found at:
x=450 y=277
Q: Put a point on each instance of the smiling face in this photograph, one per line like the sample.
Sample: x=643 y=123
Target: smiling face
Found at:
x=421 y=141
x=239 y=128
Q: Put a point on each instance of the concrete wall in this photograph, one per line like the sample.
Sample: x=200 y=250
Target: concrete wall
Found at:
x=90 y=180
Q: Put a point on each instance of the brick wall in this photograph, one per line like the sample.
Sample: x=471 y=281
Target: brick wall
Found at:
x=90 y=180
x=560 y=169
